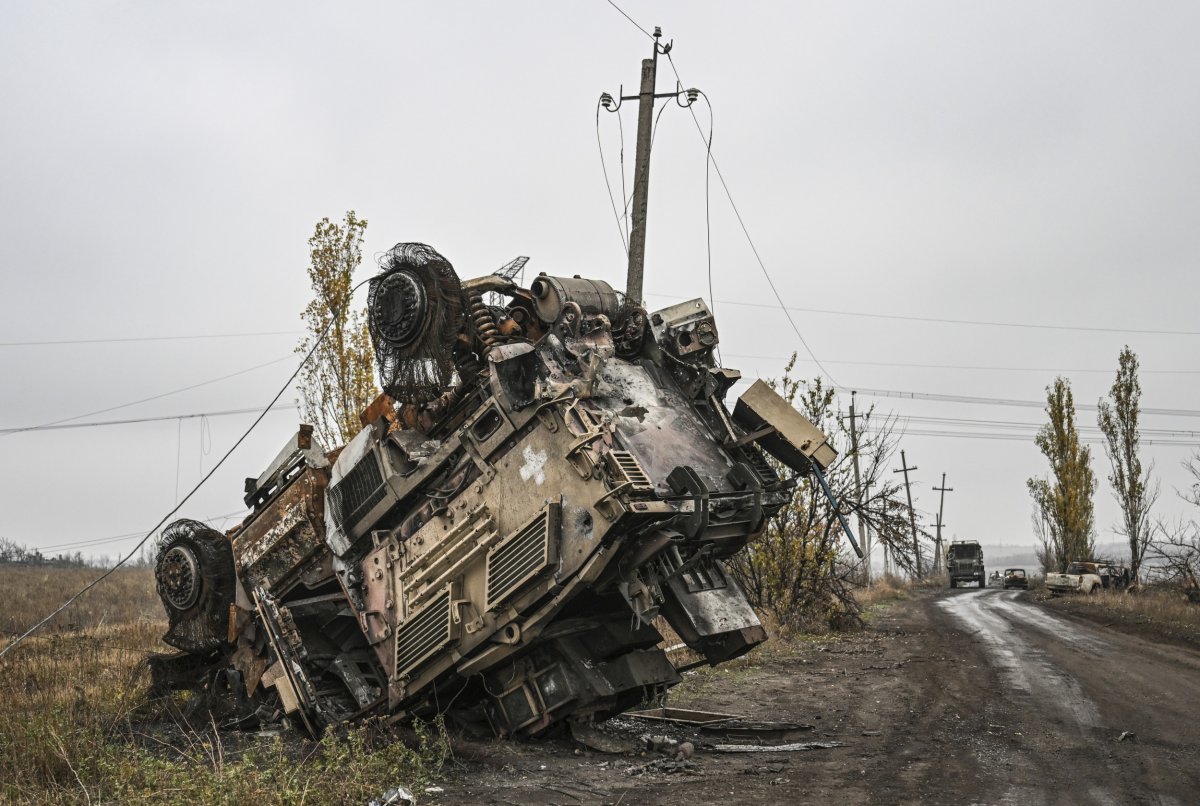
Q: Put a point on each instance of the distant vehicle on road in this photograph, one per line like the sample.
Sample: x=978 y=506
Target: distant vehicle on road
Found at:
x=1015 y=578
x=964 y=561
x=1089 y=576
x=995 y=579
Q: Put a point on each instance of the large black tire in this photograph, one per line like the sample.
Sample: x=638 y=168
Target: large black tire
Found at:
x=953 y=582
x=196 y=582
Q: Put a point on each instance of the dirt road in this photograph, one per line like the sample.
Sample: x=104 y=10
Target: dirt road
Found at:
x=956 y=697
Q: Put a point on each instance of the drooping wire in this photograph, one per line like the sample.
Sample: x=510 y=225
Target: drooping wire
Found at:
x=712 y=302
x=624 y=194
x=745 y=231
x=608 y=185
x=178 y=453
x=133 y=552
x=653 y=134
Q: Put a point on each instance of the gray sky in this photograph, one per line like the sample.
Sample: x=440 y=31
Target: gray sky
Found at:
x=161 y=167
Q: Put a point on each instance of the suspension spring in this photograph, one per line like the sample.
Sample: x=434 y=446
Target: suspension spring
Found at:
x=485 y=322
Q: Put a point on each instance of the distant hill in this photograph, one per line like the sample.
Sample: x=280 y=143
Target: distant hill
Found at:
x=1017 y=556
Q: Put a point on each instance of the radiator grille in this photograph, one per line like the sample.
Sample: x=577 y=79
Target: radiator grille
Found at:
x=626 y=465
x=519 y=557
x=423 y=634
x=357 y=492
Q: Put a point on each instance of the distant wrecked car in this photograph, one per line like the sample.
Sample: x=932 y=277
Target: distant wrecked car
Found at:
x=1088 y=576
x=1015 y=578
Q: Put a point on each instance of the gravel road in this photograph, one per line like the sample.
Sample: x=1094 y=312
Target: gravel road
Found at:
x=956 y=697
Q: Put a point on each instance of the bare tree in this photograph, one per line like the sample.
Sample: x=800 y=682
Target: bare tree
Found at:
x=1045 y=552
x=1132 y=486
x=799 y=568
x=1175 y=553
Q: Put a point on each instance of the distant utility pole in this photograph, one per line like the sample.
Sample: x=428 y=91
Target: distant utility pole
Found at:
x=912 y=515
x=641 y=170
x=862 y=536
x=937 y=563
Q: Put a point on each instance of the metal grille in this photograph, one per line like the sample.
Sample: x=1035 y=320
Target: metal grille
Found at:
x=628 y=467
x=518 y=558
x=358 y=491
x=761 y=467
x=423 y=634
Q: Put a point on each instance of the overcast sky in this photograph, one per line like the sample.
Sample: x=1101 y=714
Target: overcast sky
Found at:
x=1020 y=163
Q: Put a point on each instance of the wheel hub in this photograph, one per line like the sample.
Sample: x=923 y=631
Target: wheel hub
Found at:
x=179 y=577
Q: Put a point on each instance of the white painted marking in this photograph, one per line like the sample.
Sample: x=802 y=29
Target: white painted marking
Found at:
x=534 y=467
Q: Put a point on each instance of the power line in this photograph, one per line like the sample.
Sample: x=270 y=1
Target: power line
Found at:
x=150 y=338
x=1015 y=425
x=745 y=231
x=943 y=321
x=1013 y=437
x=133 y=420
x=43 y=426
x=631 y=19
x=998 y=401
x=1047 y=370
x=604 y=169
x=269 y=407
x=100 y=541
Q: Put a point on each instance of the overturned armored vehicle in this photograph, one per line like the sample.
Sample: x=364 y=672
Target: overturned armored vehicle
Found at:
x=542 y=478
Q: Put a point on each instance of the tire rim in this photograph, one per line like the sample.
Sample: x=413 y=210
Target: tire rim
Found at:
x=179 y=577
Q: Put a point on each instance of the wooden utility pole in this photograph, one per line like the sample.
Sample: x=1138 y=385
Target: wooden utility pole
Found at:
x=862 y=536
x=937 y=562
x=641 y=177
x=912 y=515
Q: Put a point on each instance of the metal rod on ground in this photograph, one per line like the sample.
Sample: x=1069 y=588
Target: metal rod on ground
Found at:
x=912 y=515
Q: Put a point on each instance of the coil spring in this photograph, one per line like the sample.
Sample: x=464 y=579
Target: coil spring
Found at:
x=485 y=322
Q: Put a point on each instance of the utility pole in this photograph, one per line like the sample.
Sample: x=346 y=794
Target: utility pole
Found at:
x=912 y=515
x=937 y=563
x=862 y=536
x=641 y=177
x=641 y=170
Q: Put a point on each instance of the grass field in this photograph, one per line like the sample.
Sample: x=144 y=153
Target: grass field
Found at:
x=1160 y=612
x=77 y=723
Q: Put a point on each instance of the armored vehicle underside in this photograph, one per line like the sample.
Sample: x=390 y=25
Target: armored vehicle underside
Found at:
x=542 y=478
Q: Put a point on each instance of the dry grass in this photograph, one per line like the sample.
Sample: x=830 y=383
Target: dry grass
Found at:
x=883 y=590
x=1159 y=612
x=77 y=723
x=30 y=592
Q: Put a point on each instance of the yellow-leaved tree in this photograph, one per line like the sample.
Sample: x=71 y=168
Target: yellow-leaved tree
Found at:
x=339 y=381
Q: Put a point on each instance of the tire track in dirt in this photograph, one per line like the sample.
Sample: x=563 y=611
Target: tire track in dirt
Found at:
x=1069 y=690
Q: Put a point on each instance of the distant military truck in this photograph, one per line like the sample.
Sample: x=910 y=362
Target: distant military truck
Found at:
x=964 y=561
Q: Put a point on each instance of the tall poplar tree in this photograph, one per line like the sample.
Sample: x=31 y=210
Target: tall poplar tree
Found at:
x=1065 y=498
x=1131 y=483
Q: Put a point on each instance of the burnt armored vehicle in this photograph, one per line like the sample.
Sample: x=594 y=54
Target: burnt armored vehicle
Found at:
x=546 y=473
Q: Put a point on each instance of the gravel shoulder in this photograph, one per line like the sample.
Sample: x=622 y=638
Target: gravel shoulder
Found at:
x=973 y=696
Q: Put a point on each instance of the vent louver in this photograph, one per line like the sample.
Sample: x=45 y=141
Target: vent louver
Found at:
x=522 y=555
x=423 y=634
x=627 y=467
x=357 y=492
